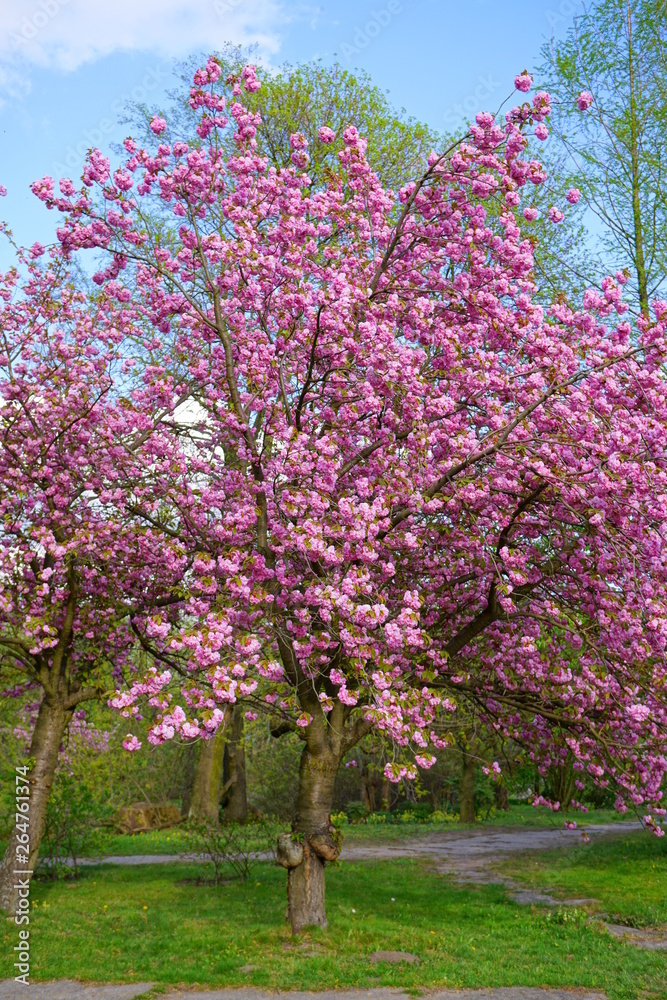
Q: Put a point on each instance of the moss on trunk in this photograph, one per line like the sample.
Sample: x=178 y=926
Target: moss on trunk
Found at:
x=52 y=721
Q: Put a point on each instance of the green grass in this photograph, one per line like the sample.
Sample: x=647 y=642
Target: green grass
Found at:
x=627 y=875
x=174 y=840
x=147 y=923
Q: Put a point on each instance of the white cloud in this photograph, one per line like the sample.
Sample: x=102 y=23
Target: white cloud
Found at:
x=64 y=34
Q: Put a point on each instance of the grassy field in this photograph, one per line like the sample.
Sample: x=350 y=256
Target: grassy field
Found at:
x=174 y=840
x=156 y=924
x=627 y=875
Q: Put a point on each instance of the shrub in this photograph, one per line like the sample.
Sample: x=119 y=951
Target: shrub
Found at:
x=73 y=818
x=234 y=849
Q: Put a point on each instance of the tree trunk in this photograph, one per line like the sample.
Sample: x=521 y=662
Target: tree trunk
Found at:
x=50 y=727
x=305 y=852
x=367 y=793
x=385 y=794
x=501 y=796
x=467 y=804
x=189 y=772
x=561 y=783
x=206 y=789
x=236 y=807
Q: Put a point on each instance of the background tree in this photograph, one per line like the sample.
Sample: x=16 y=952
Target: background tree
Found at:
x=613 y=64
x=75 y=565
x=303 y=98
x=235 y=780
x=205 y=800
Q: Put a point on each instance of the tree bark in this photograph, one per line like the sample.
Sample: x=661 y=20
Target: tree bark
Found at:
x=236 y=807
x=501 y=796
x=311 y=844
x=467 y=804
x=561 y=783
x=367 y=793
x=189 y=757
x=206 y=788
x=52 y=722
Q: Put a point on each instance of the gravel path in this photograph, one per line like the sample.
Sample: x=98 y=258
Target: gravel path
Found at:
x=69 y=990
x=466 y=854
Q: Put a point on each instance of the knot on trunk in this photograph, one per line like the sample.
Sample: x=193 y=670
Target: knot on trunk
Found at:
x=289 y=853
x=324 y=845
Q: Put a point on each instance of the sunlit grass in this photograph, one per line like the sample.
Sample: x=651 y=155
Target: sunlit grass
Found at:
x=627 y=875
x=149 y=923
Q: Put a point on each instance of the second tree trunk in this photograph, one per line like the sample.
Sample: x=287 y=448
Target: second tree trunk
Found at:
x=467 y=804
x=206 y=788
x=236 y=803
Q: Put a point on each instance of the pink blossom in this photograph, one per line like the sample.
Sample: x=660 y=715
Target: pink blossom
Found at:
x=523 y=82
x=555 y=214
x=584 y=100
x=530 y=214
x=298 y=140
x=541 y=131
x=249 y=77
x=158 y=125
x=326 y=134
x=131 y=742
x=573 y=195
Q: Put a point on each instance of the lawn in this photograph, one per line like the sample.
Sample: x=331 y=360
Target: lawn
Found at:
x=154 y=923
x=627 y=875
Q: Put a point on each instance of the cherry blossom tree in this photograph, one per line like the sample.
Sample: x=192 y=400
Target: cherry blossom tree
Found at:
x=411 y=487
x=76 y=567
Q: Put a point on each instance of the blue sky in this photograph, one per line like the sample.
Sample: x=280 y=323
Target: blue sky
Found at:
x=67 y=67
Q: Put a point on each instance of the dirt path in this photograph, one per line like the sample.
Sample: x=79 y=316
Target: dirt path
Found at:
x=69 y=990
x=468 y=855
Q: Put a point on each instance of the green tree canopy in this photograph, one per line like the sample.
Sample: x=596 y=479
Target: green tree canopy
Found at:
x=616 y=51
